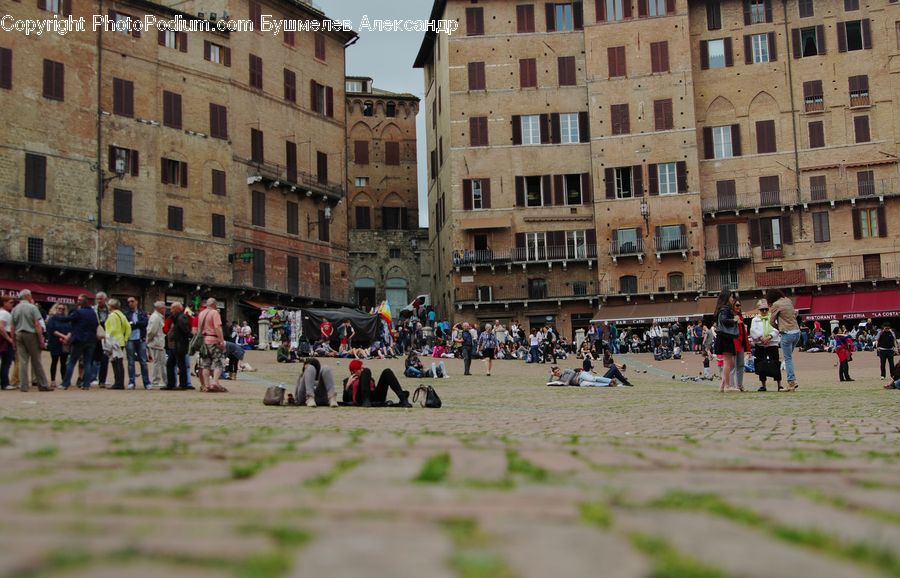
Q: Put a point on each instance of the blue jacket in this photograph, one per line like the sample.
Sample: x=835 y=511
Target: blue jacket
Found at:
x=56 y=323
x=84 y=325
x=142 y=321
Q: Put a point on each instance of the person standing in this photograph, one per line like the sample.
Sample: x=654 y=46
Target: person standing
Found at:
x=741 y=347
x=886 y=345
x=178 y=339
x=26 y=321
x=7 y=342
x=136 y=347
x=156 y=343
x=726 y=331
x=467 y=344
x=487 y=346
x=58 y=329
x=82 y=340
x=118 y=330
x=766 y=342
x=326 y=329
x=346 y=334
x=784 y=318
x=212 y=363
x=843 y=348
x=534 y=344
x=101 y=361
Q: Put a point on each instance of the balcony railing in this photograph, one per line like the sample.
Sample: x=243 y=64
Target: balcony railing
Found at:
x=492 y=257
x=729 y=252
x=831 y=192
x=619 y=249
x=274 y=172
x=533 y=290
x=861 y=100
x=679 y=244
x=773 y=253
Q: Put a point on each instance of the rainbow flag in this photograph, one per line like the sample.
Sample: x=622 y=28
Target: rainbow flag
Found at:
x=384 y=311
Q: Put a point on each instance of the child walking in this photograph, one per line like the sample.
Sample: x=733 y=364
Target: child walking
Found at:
x=706 y=374
x=844 y=350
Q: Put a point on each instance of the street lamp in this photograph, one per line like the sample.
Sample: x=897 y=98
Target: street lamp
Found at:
x=645 y=213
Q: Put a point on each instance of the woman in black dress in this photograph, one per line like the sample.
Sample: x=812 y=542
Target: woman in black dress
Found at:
x=726 y=331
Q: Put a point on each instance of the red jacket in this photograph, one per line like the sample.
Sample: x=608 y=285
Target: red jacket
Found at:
x=742 y=341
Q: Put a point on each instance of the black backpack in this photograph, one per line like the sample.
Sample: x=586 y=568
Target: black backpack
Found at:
x=430 y=397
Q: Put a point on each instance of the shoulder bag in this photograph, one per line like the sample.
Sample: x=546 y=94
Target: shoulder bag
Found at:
x=429 y=396
x=101 y=332
x=274 y=395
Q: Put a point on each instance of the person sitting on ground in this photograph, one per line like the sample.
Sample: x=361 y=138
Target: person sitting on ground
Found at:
x=285 y=353
x=323 y=349
x=586 y=350
x=360 y=389
x=612 y=371
x=315 y=386
x=608 y=361
x=414 y=368
x=895 y=379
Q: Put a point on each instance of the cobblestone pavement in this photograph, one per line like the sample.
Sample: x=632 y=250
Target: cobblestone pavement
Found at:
x=509 y=479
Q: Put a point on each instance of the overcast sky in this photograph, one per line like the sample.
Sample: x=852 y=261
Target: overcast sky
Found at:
x=388 y=57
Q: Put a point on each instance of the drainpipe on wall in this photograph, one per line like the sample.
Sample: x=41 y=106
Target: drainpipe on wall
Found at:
x=99 y=137
x=788 y=58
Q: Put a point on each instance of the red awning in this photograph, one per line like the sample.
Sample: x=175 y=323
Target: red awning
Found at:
x=871 y=304
x=803 y=302
x=52 y=292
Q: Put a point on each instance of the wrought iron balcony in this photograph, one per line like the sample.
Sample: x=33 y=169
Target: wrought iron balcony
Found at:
x=668 y=245
x=619 y=249
x=729 y=252
x=533 y=290
x=524 y=255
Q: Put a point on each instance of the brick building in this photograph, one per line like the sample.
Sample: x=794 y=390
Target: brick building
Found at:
x=176 y=165
x=623 y=159
x=389 y=256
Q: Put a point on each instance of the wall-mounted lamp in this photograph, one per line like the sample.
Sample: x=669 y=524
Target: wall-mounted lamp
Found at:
x=645 y=213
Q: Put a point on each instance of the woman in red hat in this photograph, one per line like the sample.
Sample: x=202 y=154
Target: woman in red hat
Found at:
x=360 y=389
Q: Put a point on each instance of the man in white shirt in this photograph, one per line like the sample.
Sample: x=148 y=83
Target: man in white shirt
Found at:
x=156 y=342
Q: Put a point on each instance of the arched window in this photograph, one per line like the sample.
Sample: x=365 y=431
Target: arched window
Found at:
x=391 y=110
x=368 y=108
x=676 y=282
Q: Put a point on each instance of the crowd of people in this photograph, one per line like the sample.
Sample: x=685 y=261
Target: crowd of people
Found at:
x=84 y=344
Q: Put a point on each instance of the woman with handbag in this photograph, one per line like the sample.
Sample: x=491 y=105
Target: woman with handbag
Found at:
x=726 y=331
x=58 y=329
x=741 y=348
x=766 y=342
x=118 y=328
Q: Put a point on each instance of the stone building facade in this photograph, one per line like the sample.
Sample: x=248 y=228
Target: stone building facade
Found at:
x=177 y=165
x=623 y=159
x=389 y=254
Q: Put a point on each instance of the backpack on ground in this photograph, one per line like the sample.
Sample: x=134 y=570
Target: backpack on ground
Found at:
x=274 y=395
x=429 y=396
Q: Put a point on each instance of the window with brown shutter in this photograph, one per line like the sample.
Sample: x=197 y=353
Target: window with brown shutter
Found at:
x=5 y=68
x=171 y=109
x=363 y=218
x=218 y=226
x=616 y=57
x=290 y=85
x=219 y=186
x=859 y=90
x=123 y=97
x=256 y=72
x=818 y=190
x=525 y=18
x=813 y=98
x=258 y=209
x=861 y=128
x=821 y=229
x=478 y=131
x=850 y=5
x=290 y=38
x=662 y=114
x=257 y=152
x=321 y=167
x=475 y=21
x=566 y=66
x=324 y=235
x=806 y=9
x=361 y=152
x=528 y=73
x=54 y=80
x=816 y=134
x=769 y=194
x=865 y=183
x=255 y=11
x=619 y=117
x=659 y=56
x=477 y=79
x=320 y=46
x=292 y=216
x=765 y=136
x=392 y=153
x=122 y=206
x=713 y=15
x=176 y=218
x=218 y=121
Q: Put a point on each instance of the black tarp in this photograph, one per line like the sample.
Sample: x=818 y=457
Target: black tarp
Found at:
x=367 y=327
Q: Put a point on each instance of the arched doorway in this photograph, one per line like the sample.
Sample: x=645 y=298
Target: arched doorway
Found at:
x=365 y=293
x=396 y=291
